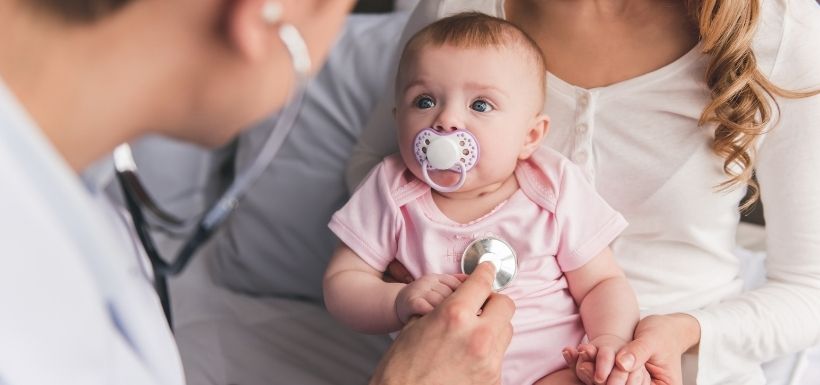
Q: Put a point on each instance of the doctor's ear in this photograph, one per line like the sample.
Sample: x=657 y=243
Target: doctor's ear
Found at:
x=536 y=133
x=253 y=26
x=250 y=25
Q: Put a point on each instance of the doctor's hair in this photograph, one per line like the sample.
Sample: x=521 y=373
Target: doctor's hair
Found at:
x=82 y=11
x=477 y=30
x=742 y=96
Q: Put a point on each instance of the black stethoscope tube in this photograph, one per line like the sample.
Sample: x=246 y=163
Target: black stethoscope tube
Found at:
x=134 y=194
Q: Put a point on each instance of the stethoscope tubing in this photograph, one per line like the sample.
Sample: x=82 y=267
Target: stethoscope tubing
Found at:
x=136 y=196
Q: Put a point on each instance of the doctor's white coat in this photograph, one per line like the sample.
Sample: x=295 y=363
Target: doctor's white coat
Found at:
x=76 y=306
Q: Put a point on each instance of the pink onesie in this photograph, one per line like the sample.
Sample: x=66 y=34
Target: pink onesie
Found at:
x=556 y=222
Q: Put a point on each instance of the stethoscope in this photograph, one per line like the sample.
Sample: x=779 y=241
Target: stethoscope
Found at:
x=458 y=151
x=493 y=250
x=200 y=229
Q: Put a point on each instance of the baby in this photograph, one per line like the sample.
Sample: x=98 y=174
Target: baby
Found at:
x=469 y=96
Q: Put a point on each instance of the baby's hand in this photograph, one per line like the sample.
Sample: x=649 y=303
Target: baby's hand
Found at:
x=422 y=295
x=601 y=351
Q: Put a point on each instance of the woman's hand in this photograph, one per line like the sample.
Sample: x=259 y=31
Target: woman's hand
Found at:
x=600 y=352
x=596 y=365
x=659 y=343
x=453 y=344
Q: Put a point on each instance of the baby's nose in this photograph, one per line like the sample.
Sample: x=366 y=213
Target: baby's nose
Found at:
x=447 y=123
x=445 y=127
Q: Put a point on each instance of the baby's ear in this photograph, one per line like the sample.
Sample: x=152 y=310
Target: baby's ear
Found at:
x=537 y=132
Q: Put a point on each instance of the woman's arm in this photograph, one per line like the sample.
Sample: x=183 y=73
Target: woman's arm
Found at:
x=356 y=295
x=378 y=138
x=781 y=316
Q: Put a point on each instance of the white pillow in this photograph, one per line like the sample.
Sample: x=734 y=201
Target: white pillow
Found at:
x=277 y=242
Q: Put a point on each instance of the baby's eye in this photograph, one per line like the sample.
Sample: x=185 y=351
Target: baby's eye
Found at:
x=425 y=102
x=481 y=106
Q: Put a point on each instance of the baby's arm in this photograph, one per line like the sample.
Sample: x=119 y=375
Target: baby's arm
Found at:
x=356 y=295
x=608 y=307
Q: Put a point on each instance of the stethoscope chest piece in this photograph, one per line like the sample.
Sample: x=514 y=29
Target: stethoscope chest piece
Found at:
x=495 y=251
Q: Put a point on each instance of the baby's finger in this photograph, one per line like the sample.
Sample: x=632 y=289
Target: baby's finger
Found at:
x=584 y=373
x=420 y=306
x=449 y=280
x=434 y=298
x=636 y=377
x=586 y=368
x=604 y=361
x=617 y=377
x=570 y=355
x=460 y=277
x=442 y=289
x=587 y=352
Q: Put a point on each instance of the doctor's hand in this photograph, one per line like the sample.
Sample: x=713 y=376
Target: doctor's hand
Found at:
x=453 y=344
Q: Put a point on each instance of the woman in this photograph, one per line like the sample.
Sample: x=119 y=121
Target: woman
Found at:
x=668 y=106
x=78 y=77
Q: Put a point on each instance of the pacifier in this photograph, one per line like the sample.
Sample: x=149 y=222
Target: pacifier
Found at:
x=455 y=151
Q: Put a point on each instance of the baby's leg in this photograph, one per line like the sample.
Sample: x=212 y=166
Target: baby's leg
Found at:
x=561 y=377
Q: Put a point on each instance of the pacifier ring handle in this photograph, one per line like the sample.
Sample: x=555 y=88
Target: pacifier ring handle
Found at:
x=445 y=189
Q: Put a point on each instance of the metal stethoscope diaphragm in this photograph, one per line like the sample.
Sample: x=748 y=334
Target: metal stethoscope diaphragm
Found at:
x=493 y=250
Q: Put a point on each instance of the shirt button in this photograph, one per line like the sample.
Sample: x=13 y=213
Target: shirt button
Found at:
x=583 y=100
x=583 y=128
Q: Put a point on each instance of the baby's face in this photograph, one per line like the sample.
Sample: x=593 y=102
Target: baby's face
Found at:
x=491 y=92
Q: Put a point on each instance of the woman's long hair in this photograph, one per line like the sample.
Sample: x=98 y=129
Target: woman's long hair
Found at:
x=741 y=94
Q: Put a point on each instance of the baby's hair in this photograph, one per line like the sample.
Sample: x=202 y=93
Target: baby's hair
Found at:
x=477 y=30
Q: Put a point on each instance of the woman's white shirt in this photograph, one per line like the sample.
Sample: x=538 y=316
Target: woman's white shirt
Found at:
x=77 y=307
x=639 y=142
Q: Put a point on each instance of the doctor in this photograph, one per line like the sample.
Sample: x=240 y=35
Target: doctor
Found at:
x=78 y=77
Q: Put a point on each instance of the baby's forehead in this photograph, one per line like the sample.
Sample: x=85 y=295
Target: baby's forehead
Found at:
x=514 y=58
x=515 y=55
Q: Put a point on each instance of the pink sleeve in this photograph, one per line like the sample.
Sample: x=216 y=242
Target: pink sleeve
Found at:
x=369 y=222
x=586 y=223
